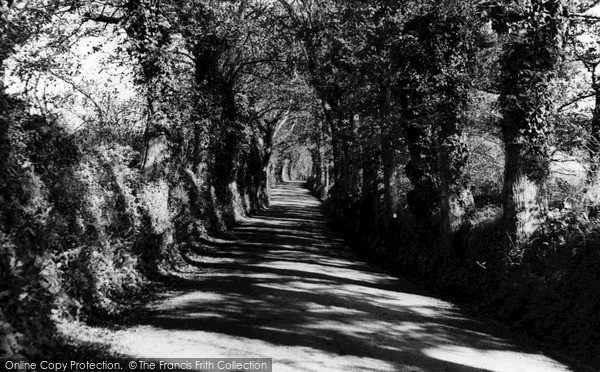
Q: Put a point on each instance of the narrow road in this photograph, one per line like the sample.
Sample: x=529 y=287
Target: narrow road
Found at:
x=286 y=287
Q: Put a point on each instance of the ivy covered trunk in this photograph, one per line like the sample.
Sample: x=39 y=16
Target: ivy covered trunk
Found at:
x=317 y=170
x=593 y=174
x=321 y=139
x=453 y=157
x=211 y=99
x=529 y=62
x=352 y=156
x=226 y=170
x=265 y=184
x=594 y=146
x=371 y=164
x=148 y=36
x=421 y=170
x=339 y=166
x=278 y=172
x=226 y=131
x=250 y=178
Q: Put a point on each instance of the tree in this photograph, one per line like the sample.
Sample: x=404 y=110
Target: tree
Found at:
x=532 y=50
x=585 y=48
x=452 y=36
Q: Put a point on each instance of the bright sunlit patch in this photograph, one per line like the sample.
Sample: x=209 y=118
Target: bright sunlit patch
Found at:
x=204 y=314
x=194 y=297
x=494 y=360
x=283 y=287
x=427 y=311
x=408 y=328
x=332 y=274
x=391 y=300
x=315 y=308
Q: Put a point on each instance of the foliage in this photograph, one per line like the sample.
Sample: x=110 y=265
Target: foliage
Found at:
x=551 y=293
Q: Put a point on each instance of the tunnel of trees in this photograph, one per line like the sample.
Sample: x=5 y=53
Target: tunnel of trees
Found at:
x=457 y=142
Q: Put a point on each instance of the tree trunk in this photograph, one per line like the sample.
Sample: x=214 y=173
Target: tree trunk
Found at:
x=338 y=161
x=326 y=185
x=2 y=73
x=371 y=157
x=346 y=166
x=347 y=171
x=421 y=170
x=279 y=172
x=594 y=145
x=593 y=175
x=353 y=154
x=318 y=171
x=390 y=178
x=453 y=157
x=265 y=183
x=339 y=146
x=288 y=171
x=528 y=69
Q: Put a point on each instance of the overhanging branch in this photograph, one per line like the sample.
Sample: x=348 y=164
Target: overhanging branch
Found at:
x=102 y=18
x=575 y=100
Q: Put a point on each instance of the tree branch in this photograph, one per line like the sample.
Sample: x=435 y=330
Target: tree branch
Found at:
x=102 y=18
x=290 y=9
x=575 y=100
x=584 y=16
x=252 y=62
